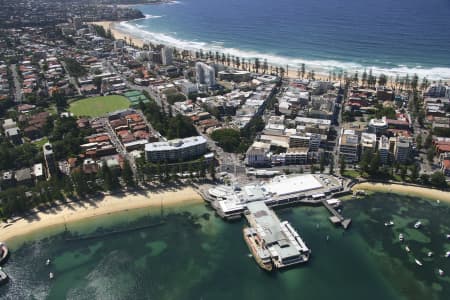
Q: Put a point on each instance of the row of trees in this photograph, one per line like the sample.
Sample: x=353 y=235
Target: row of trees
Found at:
x=170 y=126
x=232 y=140
x=164 y=172
x=22 y=198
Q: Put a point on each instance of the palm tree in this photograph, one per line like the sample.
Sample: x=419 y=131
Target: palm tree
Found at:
x=265 y=66
x=355 y=78
x=303 y=70
x=282 y=72
x=223 y=59
x=217 y=56
x=257 y=64
x=364 y=78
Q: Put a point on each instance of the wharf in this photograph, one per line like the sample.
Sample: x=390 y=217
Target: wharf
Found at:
x=336 y=217
x=4 y=252
x=3 y=277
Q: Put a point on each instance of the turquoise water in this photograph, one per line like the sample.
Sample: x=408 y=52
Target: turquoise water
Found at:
x=195 y=255
x=393 y=37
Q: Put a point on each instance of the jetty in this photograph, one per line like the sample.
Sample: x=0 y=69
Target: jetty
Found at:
x=4 y=252
x=115 y=232
x=3 y=277
x=273 y=243
x=336 y=218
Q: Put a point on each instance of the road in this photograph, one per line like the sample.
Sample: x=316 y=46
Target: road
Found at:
x=72 y=80
x=133 y=86
x=17 y=84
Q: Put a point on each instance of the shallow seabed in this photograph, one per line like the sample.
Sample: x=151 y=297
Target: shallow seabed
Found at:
x=195 y=255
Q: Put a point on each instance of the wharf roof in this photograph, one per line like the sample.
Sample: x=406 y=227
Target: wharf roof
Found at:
x=284 y=185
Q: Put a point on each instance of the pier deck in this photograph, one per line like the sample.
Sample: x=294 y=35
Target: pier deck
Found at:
x=4 y=252
x=336 y=217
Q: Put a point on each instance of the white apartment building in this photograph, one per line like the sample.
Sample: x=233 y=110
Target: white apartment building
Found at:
x=402 y=149
x=166 y=55
x=383 y=149
x=205 y=74
x=349 y=146
x=176 y=150
x=258 y=154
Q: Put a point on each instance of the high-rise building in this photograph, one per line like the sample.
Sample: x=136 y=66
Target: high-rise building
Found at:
x=378 y=126
x=383 y=149
x=205 y=74
x=166 y=55
x=368 y=142
x=49 y=157
x=349 y=146
x=402 y=149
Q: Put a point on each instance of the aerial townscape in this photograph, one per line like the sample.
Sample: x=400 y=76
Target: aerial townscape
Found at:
x=120 y=153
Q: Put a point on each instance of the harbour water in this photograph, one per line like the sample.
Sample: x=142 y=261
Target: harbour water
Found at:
x=196 y=255
x=393 y=37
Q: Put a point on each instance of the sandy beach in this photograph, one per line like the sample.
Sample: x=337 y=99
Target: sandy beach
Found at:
x=67 y=213
x=431 y=194
x=118 y=34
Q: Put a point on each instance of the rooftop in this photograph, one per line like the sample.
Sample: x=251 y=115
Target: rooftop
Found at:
x=175 y=144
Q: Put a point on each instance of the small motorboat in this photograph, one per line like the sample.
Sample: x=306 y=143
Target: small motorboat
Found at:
x=47 y=262
x=417 y=225
x=249 y=255
x=447 y=254
x=328 y=237
x=51 y=275
x=430 y=254
x=407 y=249
x=401 y=237
x=418 y=262
x=448 y=236
x=441 y=272
x=389 y=223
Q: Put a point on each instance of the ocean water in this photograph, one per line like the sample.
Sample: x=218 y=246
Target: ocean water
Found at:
x=393 y=37
x=195 y=255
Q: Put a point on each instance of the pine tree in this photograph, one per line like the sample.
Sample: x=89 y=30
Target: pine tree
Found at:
x=127 y=174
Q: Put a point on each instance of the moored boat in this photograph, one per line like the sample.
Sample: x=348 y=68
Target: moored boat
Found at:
x=401 y=237
x=441 y=272
x=260 y=254
x=407 y=249
x=389 y=223
x=418 y=262
x=430 y=254
x=417 y=225
x=51 y=275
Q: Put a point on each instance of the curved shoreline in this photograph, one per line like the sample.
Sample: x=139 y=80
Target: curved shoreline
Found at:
x=73 y=212
x=322 y=71
x=111 y=204
x=417 y=191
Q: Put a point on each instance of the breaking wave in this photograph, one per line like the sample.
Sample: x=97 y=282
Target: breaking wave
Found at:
x=319 y=66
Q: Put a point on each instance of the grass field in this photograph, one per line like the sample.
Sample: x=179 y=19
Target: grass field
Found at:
x=98 y=106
